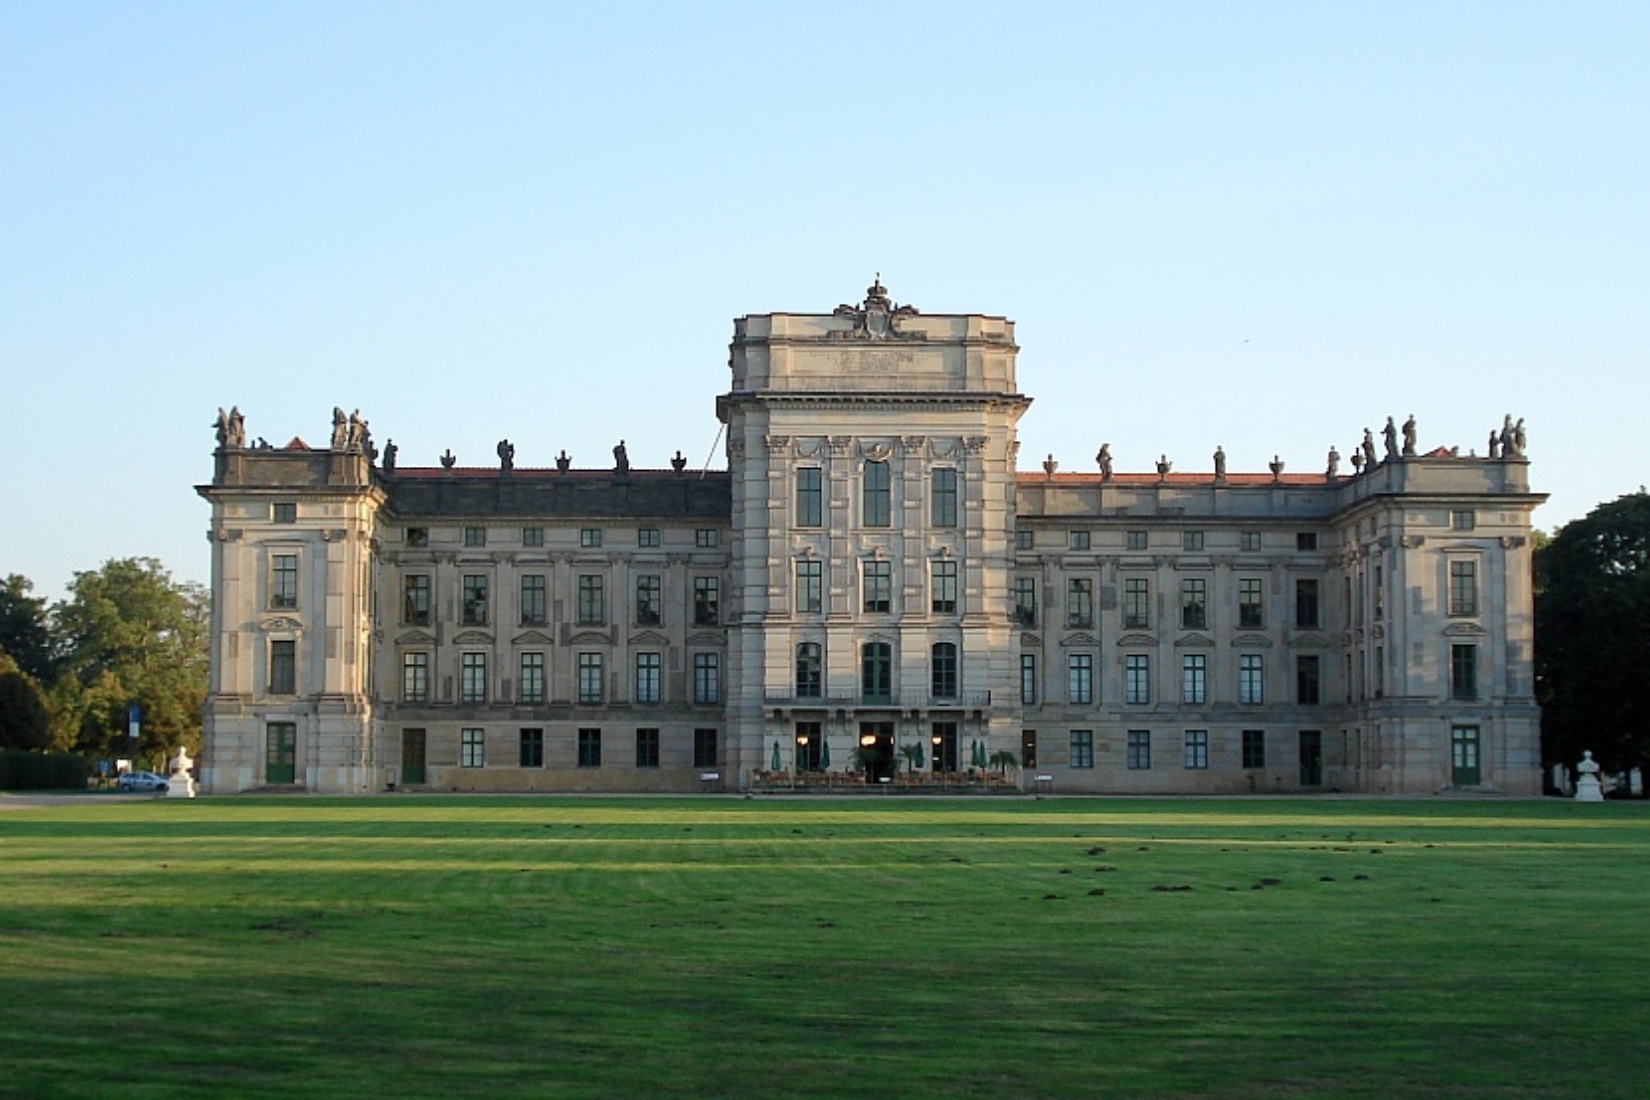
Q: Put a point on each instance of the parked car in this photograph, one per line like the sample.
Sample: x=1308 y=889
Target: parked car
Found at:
x=141 y=781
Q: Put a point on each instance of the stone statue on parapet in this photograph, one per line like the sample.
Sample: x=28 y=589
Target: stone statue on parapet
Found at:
x=357 y=438
x=1409 y=436
x=340 y=429
x=1389 y=435
x=564 y=461
x=506 y=455
x=231 y=429
x=1103 y=459
x=1368 y=446
x=621 y=458
x=389 y=456
x=1495 y=443
x=679 y=461
x=1333 y=464
x=1220 y=463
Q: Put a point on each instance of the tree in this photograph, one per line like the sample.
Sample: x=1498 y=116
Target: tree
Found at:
x=25 y=633
x=1592 y=615
x=24 y=722
x=131 y=635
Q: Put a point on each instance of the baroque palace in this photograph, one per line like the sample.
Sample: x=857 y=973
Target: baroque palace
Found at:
x=870 y=590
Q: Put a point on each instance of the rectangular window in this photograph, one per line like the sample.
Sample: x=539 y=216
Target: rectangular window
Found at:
x=647 y=537
x=707 y=678
x=1137 y=679
x=535 y=611
x=472 y=678
x=475 y=599
x=530 y=686
x=704 y=748
x=1194 y=674
x=810 y=671
x=1025 y=540
x=283 y=581
x=415 y=677
x=1082 y=748
x=592 y=600
x=810 y=497
x=1249 y=540
x=1197 y=748
x=1463 y=672
x=1306 y=603
x=1191 y=540
x=810 y=587
x=707 y=601
x=1136 y=540
x=876 y=502
x=1306 y=540
x=1140 y=750
x=1194 y=604
x=590 y=748
x=533 y=536
x=415 y=600
x=590 y=537
x=1463 y=587
x=283 y=668
x=1077 y=540
x=876 y=672
x=1380 y=594
x=943 y=509
x=944 y=587
x=1080 y=679
x=1028 y=678
x=1462 y=520
x=1028 y=749
x=1136 y=603
x=1308 y=679
x=284 y=512
x=1025 y=601
x=647 y=748
x=590 y=677
x=1079 y=603
x=943 y=670
x=944 y=740
x=475 y=536
x=1250 y=679
x=704 y=537
x=532 y=748
x=1251 y=606
x=1254 y=748
x=472 y=748
x=650 y=600
x=418 y=536
x=879 y=586
x=647 y=677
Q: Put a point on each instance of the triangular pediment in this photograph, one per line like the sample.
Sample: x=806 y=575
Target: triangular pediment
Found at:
x=1195 y=641
x=1031 y=641
x=416 y=637
x=649 y=637
x=472 y=637
x=532 y=637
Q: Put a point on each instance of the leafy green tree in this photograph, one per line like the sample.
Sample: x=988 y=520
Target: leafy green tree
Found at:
x=25 y=633
x=1592 y=616
x=131 y=635
x=24 y=722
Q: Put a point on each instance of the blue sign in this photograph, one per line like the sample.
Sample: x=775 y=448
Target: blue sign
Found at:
x=134 y=721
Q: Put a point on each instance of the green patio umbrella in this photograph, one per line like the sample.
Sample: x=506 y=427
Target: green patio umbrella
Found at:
x=824 y=753
x=777 y=764
x=979 y=754
x=919 y=754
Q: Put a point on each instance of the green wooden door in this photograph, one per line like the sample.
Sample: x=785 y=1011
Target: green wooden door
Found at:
x=412 y=756
x=281 y=753
x=1463 y=752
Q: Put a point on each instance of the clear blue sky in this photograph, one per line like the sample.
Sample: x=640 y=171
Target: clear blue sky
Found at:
x=1259 y=225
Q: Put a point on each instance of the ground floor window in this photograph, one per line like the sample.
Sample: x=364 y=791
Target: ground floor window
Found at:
x=1254 y=748
x=1140 y=750
x=704 y=748
x=472 y=748
x=944 y=741
x=647 y=748
x=1197 y=748
x=1028 y=748
x=1082 y=748
x=590 y=748
x=532 y=748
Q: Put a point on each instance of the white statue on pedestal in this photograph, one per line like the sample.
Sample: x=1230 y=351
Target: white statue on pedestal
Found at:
x=180 y=784
x=1587 y=785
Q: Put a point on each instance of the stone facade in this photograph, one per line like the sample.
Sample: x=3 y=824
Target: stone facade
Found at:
x=870 y=574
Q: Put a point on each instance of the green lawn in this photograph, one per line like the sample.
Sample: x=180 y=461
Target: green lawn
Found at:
x=881 y=947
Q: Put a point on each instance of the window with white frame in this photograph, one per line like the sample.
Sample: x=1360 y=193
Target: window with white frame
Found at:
x=943 y=586
x=1463 y=586
x=415 y=602
x=707 y=678
x=1079 y=603
x=1137 y=603
x=879 y=586
x=535 y=610
x=472 y=748
x=650 y=599
x=1028 y=678
x=283 y=667
x=810 y=587
x=1194 y=603
x=707 y=601
x=590 y=537
x=1197 y=749
x=1251 y=604
x=415 y=677
x=592 y=600
x=283 y=582
x=475 y=599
